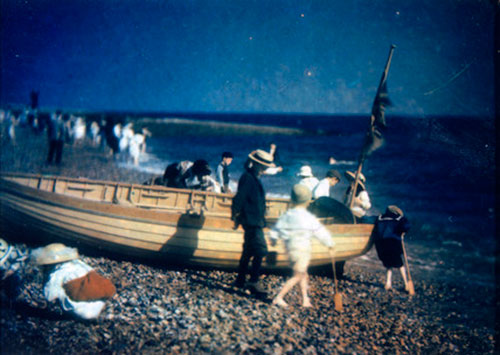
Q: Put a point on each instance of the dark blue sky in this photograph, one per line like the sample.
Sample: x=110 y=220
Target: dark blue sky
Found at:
x=249 y=56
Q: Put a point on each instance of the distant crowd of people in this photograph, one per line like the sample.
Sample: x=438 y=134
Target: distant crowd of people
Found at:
x=67 y=128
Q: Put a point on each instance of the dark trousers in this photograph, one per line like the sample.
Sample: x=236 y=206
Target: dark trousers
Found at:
x=254 y=248
x=55 y=147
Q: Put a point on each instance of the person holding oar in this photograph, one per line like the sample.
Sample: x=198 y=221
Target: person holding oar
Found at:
x=388 y=233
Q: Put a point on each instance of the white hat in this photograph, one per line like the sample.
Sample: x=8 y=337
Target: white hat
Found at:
x=262 y=157
x=53 y=254
x=305 y=171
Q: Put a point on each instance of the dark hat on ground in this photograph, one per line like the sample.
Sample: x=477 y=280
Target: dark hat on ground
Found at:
x=227 y=155
x=262 y=157
x=301 y=194
x=332 y=173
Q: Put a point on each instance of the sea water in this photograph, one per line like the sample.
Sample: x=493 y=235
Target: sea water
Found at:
x=440 y=171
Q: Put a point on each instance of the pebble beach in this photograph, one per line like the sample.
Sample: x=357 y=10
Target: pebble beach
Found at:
x=165 y=309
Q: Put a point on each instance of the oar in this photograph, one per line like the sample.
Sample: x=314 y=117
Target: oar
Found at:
x=411 y=289
x=337 y=298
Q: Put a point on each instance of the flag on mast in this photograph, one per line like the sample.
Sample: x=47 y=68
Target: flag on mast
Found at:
x=375 y=134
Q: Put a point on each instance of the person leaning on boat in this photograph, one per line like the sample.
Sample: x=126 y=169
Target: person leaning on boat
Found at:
x=248 y=209
x=189 y=175
x=331 y=179
x=81 y=291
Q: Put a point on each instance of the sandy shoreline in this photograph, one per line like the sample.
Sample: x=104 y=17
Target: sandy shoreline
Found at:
x=171 y=310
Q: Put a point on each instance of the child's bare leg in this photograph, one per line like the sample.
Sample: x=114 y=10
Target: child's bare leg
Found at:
x=388 y=282
x=402 y=270
x=286 y=287
x=304 y=285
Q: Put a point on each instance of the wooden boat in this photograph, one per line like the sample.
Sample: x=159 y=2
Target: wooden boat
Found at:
x=188 y=226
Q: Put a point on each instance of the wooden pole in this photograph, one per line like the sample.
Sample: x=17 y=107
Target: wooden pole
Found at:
x=411 y=288
x=337 y=298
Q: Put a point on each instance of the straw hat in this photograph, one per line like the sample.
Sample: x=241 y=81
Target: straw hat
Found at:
x=351 y=176
x=4 y=248
x=305 y=171
x=262 y=157
x=396 y=210
x=301 y=194
x=53 y=254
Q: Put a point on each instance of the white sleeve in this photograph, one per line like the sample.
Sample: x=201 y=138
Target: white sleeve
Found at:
x=365 y=200
x=277 y=230
x=322 y=234
x=85 y=310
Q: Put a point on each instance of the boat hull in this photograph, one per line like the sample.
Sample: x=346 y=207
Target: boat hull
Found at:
x=108 y=219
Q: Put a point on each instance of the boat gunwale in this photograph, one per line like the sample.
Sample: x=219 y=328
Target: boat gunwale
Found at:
x=150 y=215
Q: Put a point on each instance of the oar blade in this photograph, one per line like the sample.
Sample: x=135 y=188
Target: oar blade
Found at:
x=337 y=299
x=411 y=288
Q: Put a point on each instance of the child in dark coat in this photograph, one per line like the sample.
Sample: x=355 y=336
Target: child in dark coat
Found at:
x=387 y=235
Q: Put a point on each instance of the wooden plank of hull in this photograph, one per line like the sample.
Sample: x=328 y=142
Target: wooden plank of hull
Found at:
x=197 y=240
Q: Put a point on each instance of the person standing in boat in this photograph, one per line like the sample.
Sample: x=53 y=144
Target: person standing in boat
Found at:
x=223 y=172
x=307 y=178
x=331 y=179
x=80 y=290
x=361 y=203
x=248 y=209
x=387 y=235
x=297 y=227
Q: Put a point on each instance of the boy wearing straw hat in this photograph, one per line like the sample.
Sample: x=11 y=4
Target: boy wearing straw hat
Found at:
x=248 y=209
x=79 y=289
x=297 y=227
x=387 y=235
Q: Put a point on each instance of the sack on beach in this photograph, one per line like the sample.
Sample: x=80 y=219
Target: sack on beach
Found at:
x=90 y=287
